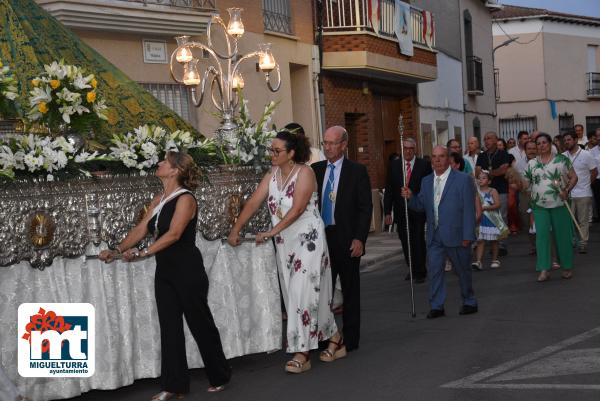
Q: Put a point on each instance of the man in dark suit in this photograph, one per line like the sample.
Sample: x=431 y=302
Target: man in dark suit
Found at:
x=448 y=198
x=416 y=169
x=346 y=208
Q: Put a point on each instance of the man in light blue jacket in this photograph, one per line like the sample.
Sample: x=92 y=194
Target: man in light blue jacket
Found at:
x=448 y=198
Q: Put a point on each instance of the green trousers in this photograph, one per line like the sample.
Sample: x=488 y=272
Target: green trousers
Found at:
x=556 y=222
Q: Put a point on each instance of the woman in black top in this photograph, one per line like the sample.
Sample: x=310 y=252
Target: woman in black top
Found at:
x=181 y=283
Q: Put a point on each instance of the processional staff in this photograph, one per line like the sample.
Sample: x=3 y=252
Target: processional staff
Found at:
x=410 y=270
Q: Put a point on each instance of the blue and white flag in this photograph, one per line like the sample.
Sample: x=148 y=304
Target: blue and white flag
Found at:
x=403 y=28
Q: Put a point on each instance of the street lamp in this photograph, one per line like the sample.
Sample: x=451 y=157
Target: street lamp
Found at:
x=225 y=73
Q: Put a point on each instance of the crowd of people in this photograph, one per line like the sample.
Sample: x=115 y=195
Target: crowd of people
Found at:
x=321 y=214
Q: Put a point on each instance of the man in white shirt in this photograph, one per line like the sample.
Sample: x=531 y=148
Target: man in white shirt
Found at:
x=473 y=151
x=593 y=139
x=586 y=169
x=581 y=137
x=518 y=152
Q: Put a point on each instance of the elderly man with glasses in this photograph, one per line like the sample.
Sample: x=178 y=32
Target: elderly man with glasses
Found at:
x=416 y=168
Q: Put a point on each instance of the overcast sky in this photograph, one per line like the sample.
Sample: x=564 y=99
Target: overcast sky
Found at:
x=590 y=8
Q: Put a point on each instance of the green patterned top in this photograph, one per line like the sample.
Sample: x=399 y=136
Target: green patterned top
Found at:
x=546 y=181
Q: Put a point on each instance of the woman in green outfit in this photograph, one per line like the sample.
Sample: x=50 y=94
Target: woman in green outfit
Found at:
x=550 y=178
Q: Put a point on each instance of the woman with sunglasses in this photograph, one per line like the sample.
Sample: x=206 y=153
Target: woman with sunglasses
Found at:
x=290 y=189
x=550 y=178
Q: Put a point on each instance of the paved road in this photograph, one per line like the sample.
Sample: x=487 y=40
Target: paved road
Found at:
x=530 y=341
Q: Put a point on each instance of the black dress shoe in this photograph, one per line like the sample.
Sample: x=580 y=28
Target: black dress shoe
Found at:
x=435 y=313
x=467 y=310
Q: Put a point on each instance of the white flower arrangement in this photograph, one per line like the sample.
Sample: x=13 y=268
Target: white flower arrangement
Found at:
x=40 y=156
x=8 y=90
x=253 y=139
x=63 y=95
x=143 y=148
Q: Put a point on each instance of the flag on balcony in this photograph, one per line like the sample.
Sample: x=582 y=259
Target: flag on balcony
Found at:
x=403 y=28
x=428 y=28
x=374 y=12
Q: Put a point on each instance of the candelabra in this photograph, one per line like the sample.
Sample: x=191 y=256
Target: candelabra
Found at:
x=224 y=74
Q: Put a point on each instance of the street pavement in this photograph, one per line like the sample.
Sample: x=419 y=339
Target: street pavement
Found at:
x=529 y=341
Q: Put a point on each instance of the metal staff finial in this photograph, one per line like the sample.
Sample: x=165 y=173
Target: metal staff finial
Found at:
x=410 y=271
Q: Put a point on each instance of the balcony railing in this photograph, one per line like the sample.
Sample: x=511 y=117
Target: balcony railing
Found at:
x=593 y=84
x=277 y=16
x=352 y=15
x=474 y=75
x=192 y=4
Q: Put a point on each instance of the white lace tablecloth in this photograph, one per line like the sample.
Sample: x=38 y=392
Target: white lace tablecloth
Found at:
x=243 y=296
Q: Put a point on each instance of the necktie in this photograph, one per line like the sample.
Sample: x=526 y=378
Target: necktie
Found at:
x=328 y=199
x=437 y=195
x=408 y=174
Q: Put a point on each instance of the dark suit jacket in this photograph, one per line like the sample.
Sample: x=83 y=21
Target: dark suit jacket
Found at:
x=456 y=211
x=353 y=203
x=395 y=182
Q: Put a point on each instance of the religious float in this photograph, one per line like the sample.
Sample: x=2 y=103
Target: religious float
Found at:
x=78 y=146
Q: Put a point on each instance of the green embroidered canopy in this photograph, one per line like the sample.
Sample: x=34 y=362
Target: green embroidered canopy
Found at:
x=30 y=38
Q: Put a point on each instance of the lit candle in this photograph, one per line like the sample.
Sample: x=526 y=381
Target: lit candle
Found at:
x=190 y=73
x=266 y=61
x=184 y=53
x=235 y=27
x=238 y=81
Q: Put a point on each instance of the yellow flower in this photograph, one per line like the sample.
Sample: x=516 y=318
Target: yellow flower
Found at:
x=35 y=82
x=43 y=108
x=94 y=83
x=91 y=97
x=55 y=83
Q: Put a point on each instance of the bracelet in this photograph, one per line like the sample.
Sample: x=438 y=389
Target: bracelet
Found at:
x=144 y=252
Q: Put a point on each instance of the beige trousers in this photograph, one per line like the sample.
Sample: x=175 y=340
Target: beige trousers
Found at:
x=581 y=210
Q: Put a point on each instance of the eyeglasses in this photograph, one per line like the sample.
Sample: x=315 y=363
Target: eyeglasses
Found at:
x=275 y=151
x=327 y=143
x=409 y=148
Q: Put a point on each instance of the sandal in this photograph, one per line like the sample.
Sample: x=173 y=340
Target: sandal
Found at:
x=216 y=389
x=555 y=266
x=495 y=264
x=165 y=395
x=567 y=274
x=296 y=366
x=338 y=352
x=544 y=276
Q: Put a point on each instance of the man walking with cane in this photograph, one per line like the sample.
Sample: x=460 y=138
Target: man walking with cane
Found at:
x=448 y=199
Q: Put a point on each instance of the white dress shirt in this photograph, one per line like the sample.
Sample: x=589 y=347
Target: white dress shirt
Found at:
x=582 y=162
x=336 y=174
x=520 y=159
x=444 y=178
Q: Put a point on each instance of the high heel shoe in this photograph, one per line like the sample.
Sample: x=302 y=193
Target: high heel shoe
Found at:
x=165 y=395
x=338 y=351
x=295 y=365
x=216 y=389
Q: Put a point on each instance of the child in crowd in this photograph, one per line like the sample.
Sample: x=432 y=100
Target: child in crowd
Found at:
x=492 y=227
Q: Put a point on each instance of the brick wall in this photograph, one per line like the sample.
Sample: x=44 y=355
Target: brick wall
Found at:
x=347 y=105
x=343 y=43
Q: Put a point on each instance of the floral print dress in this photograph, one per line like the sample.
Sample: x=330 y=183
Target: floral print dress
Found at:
x=304 y=270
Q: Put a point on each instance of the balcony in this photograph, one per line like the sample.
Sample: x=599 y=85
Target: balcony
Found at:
x=154 y=17
x=351 y=45
x=277 y=16
x=474 y=76
x=593 y=84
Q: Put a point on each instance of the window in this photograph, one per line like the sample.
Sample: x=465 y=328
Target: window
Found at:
x=566 y=123
x=510 y=127
x=174 y=96
x=477 y=128
x=277 y=16
x=592 y=124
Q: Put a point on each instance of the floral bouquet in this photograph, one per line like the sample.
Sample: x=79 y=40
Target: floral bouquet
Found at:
x=251 y=144
x=8 y=92
x=46 y=156
x=64 y=96
x=146 y=146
